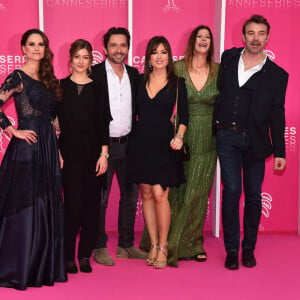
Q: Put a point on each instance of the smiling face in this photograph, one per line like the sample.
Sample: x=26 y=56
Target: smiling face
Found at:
x=81 y=61
x=255 y=37
x=34 y=48
x=117 y=48
x=159 y=57
x=202 y=42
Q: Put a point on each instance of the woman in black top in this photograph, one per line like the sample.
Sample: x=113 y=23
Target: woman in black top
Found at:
x=152 y=164
x=84 y=117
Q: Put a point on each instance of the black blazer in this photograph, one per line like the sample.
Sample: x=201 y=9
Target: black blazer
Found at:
x=99 y=74
x=267 y=114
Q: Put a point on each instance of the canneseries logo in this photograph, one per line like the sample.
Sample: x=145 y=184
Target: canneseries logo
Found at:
x=97 y=57
x=279 y=4
x=271 y=54
x=290 y=138
x=139 y=61
x=2 y=7
x=266 y=207
x=9 y=63
x=86 y=3
x=139 y=209
x=171 y=6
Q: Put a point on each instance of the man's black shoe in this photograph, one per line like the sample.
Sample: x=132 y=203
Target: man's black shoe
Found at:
x=232 y=260
x=248 y=258
x=84 y=265
x=71 y=267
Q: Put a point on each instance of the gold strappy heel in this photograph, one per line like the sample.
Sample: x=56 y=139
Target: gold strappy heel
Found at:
x=162 y=264
x=151 y=260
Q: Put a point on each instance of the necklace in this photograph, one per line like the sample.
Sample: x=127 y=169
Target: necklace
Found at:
x=200 y=70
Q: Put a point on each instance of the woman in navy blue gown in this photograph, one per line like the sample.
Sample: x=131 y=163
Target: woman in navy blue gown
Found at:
x=31 y=232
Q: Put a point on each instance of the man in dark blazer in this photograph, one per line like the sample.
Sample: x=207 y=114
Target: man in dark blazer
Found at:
x=250 y=122
x=119 y=84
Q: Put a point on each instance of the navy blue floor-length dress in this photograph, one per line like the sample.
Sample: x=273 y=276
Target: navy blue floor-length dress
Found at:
x=31 y=231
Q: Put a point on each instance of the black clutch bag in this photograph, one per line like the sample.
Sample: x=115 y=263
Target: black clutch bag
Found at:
x=183 y=154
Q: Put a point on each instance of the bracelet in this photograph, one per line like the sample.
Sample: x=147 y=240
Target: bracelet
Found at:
x=104 y=154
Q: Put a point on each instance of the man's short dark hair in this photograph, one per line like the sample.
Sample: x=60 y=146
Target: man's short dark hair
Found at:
x=116 y=30
x=258 y=19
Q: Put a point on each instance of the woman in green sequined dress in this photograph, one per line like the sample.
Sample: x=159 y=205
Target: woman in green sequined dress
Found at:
x=189 y=201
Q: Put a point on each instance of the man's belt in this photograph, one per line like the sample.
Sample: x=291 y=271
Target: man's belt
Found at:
x=120 y=139
x=234 y=128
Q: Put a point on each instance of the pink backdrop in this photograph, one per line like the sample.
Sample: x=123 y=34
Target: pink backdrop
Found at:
x=66 y=21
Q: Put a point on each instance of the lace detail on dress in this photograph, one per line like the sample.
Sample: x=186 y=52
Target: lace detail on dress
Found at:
x=11 y=82
x=32 y=170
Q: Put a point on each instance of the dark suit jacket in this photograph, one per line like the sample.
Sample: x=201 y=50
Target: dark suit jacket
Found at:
x=99 y=74
x=267 y=115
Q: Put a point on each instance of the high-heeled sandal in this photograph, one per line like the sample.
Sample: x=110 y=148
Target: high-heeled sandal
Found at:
x=161 y=264
x=201 y=257
x=151 y=260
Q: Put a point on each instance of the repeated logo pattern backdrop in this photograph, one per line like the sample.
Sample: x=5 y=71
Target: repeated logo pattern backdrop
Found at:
x=67 y=20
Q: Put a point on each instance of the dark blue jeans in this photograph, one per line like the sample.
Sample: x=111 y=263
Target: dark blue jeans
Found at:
x=235 y=156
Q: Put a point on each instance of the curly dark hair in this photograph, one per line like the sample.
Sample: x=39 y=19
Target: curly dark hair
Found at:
x=46 y=72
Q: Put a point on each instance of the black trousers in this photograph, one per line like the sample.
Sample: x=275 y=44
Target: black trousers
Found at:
x=117 y=163
x=235 y=155
x=82 y=191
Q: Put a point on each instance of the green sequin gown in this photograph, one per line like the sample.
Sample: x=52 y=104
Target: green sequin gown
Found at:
x=189 y=201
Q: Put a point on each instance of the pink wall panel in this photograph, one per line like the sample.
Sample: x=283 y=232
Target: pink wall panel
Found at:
x=66 y=21
x=175 y=19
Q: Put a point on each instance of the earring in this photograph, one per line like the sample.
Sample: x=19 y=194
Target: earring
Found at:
x=70 y=69
x=89 y=71
x=150 y=66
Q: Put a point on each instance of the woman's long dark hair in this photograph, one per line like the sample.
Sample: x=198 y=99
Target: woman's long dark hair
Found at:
x=152 y=46
x=189 y=52
x=46 y=73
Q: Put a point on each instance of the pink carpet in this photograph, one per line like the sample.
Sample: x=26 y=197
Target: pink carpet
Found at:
x=275 y=277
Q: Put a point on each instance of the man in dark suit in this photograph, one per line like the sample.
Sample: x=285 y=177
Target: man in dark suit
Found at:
x=250 y=123
x=119 y=84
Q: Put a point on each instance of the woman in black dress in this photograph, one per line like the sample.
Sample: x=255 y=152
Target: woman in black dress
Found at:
x=31 y=233
x=152 y=164
x=84 y=117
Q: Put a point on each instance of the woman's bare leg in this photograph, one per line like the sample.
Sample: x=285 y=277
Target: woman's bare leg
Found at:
x=163 y=217
x=150 y=216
